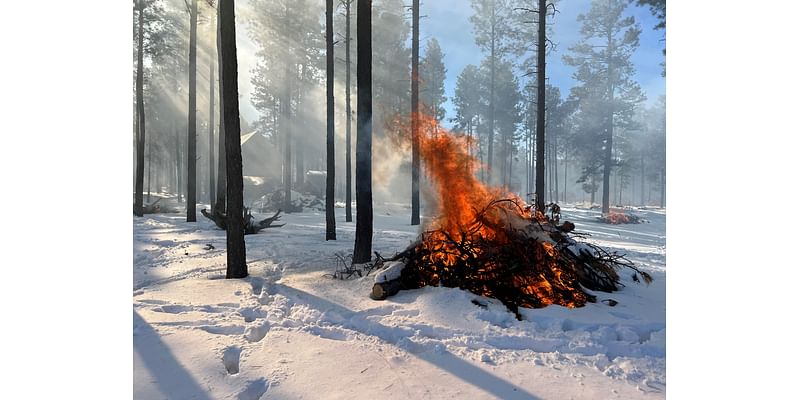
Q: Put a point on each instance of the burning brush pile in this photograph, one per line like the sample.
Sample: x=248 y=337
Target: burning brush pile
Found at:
x=616 y=218
x=491 y=243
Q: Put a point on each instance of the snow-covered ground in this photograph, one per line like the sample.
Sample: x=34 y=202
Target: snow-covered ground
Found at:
x=288 y=331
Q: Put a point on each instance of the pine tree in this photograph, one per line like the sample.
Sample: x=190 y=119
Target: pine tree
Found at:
x=467 y=100
x=493 y=34
x=237 y=266
x=191 y=162
x=140 y=121
x=415 y=77
x=363 y=242
x=349 y=116
x=330 y=219
x=604 y=71
x=540 y=103
x=432 y=74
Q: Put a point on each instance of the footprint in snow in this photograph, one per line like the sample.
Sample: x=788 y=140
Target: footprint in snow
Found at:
x=254 y=390
x=230 y=359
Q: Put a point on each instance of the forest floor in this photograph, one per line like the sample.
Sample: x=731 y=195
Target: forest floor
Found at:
x=290 y=331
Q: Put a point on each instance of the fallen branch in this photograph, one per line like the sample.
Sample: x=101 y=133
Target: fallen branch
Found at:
x=250 y=226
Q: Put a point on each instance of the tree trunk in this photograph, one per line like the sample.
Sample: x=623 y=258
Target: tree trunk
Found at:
x=237 y=267
x=179 y=164
x=212 y=192
x=565 y=176
x=330 y=218
x=299 y=163
x=222 y=174
x=491 y=104
x=540 y=105
x=415 y=114
x=348 y=207
x=191 y=165
x=663 y=187
x=555 y=164
x=287 y=138
x=362 y=251
x=149 y=167
x=642 y=181
x=137 y=203
x=609 y=129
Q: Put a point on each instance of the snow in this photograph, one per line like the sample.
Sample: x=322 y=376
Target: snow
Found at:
x=287 y=331
x=391 y=271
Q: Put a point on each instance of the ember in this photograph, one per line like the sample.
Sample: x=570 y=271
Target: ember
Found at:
x=617 y=218
x=488 y=241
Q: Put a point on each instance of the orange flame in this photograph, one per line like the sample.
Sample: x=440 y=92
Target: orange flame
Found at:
x=470 y=215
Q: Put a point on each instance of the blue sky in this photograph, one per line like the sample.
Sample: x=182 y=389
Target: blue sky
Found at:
x=448 y=22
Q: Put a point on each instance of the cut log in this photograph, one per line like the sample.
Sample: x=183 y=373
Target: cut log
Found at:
x=380 y=291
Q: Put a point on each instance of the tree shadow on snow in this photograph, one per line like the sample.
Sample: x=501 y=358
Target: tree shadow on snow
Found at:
x=398 y=336
x=171 y=377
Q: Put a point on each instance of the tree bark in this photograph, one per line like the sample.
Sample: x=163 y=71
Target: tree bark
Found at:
x=178 y=159
x=490 y=138
x=362 y=251
x=555 y=164
x=211 y=188
x=191 y=165
x=138 y=200
x=149 y=167
x=609 y=129
x=222 y=178
x=237 y=267
x=540 y=105
x=330 y=219
x=287 y=137
x=415 y=114
x=348 y=207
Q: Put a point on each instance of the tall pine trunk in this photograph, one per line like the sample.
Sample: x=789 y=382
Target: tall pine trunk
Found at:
x=237 y=267
x=149 y=167
x=330 y=219
x=222 y=174
x=540 y=106
x=178 y=163
x=138 y=200
x=609 y=128
x=555 y=164
x=565 y=176
x=211 y=189
x=286 y=110
x=191 y=162
x=415 y=114
x=348 y=207
x=663 y=187
x=490 y=139
x=362 y=251
x=641 y=198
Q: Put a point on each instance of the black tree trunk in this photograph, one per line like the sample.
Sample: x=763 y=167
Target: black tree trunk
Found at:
x=363 y=244
x=330 y=219
x=237 y=267
x=211 y=189
x=191 y=159
x=137 y=203
x=415 y=115
x=490 y=137
x=222 y=179
x=540 y=108
x=348 y=207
